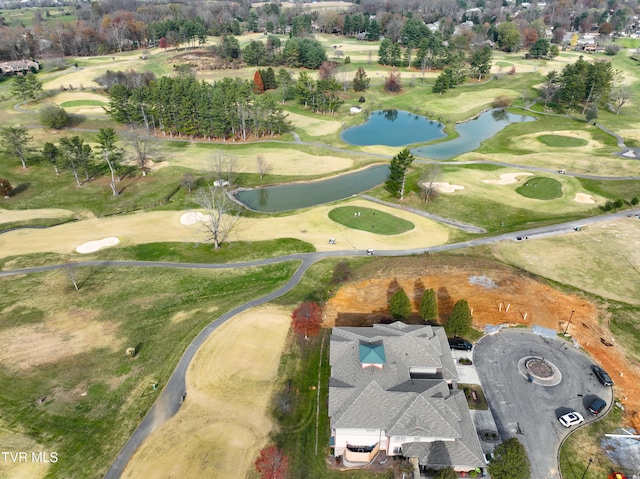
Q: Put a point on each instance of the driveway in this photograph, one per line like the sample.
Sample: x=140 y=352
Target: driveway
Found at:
x=529 y=410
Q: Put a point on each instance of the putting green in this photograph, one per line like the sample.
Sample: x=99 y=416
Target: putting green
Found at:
x=561 y=141
x=541 y=188
x=369 y=219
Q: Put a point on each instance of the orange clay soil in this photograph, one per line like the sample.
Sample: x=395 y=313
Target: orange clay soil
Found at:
x=496 y=295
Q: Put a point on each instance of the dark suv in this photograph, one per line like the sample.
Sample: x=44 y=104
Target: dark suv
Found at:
x=460 y=344
x=602 y=376
x=596 y=406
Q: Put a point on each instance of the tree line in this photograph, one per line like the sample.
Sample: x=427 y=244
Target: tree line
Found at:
x=225 y=109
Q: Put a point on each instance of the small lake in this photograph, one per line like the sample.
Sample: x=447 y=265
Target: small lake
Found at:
x=393 y=128
x=273 y=199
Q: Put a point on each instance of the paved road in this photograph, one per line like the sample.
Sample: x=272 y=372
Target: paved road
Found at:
x=527 y=410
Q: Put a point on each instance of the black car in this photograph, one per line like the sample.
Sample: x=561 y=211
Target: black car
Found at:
x=460 y=344
x=596 y=406
x=602 y=376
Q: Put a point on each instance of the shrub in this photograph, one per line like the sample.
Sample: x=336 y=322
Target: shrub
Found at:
x=131 y=352
x=361 y=100
x=611 y=49
x=53 y=116
x=502 y=101
x=635 y=201
x=5 y=188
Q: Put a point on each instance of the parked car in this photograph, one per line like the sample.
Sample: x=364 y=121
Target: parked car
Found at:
x=602 y=376
x=596 y=406
x=460 y=344
x=571 y=419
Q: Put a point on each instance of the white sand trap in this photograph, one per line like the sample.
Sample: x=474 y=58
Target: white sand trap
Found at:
x=584 y=198
x=507 y=178
x=92 y=246
x=445 y=187
x=192 y=218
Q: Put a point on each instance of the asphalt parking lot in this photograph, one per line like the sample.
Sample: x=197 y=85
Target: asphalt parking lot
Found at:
x=529 y=410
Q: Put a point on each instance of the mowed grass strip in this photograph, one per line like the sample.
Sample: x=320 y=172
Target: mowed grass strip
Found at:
x=369 y=219
x=541 y=188
x=76 y=103
x=561 y=141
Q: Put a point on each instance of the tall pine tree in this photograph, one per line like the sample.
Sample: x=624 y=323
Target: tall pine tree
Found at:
x=398 y=167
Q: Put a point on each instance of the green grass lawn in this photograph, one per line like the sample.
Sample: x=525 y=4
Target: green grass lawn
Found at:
x=369 y=219
x=76 y=103
x=561 y=141
x=541 y=188
x=93 y=396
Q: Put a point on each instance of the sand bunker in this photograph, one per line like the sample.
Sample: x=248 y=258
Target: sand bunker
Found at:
x=445 y=187
x=192 y=218
x=507 y=178
x=584 y=198
x=93 y=246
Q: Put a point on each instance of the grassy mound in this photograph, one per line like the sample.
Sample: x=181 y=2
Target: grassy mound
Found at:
x=369 y=219
x=560 y=141
x=541 y=188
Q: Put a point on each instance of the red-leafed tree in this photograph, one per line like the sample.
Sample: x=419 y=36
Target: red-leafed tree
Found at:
x=272 y=463
x=163 y=43
x=258 y=84
x=307 y=319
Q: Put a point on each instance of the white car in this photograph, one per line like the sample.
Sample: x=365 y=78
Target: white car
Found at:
x=571 y=419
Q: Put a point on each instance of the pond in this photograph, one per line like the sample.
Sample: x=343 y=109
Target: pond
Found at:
x=393 y=128
x=390 y=129
x=472 y=133
x=273 y=199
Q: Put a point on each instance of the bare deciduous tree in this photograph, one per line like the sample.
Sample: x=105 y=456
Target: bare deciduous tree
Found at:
x=224 y=166
x=139 y=140
x=188 y=181
x=71 y=272
x=619 y=96
x=427 y=178
x=263 y=166
x=222 y=214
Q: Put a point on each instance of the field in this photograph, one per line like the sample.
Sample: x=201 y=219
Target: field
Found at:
x=224 y=421
x=74 y=385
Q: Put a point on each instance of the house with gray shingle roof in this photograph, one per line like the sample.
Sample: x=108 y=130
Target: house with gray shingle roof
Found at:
x=393 y=389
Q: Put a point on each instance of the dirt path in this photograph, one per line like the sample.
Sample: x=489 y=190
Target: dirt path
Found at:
x=490 y=291
x=223 y=422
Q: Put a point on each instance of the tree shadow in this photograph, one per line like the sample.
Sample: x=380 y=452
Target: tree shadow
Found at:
x=392 y=288
x=445 y=303
x=20 y=189
x=418 y=291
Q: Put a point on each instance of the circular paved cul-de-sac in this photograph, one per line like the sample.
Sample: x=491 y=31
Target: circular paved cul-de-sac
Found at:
x=539 y=371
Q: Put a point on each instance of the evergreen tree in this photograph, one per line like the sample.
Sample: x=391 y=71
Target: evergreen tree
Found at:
x=459 y=322
x=269 y=79
x=347 y=28
x=395 y=55
x=285 y=83
x=14 y=141
x=360 y=80
x=34 y=86
x=400 y=305
x=254 y=54
x=480 y=61
x=110 y=153
x=50 y=153
x=74 y=156
x=19 y=87
x=373 y=33
x=428 y=308
x=384 y=52
x=397 y=173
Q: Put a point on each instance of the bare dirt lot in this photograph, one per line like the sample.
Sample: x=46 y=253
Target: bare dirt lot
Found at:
x=490 y=289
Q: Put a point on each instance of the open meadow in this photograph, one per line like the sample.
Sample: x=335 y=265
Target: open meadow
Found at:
x=73 y=388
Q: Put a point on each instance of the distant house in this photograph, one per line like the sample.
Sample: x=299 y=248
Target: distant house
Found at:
x=393 y=390
x=18 y=66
